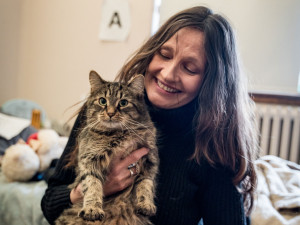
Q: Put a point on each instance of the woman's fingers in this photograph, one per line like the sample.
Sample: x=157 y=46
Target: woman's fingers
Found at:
x=76 y=194
x=120 y=176
x=134 y=157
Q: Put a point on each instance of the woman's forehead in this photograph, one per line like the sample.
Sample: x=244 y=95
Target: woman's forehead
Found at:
x=189 y=42
x=187 y=37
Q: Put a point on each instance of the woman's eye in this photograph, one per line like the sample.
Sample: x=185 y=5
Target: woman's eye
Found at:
x=123 y=103
x=190 y=70
x=102 y=101
x=164 y=55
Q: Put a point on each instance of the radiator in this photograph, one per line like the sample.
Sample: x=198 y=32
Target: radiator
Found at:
x=279 y=130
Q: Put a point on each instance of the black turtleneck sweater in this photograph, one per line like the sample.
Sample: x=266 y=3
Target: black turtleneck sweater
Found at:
x=186 y=191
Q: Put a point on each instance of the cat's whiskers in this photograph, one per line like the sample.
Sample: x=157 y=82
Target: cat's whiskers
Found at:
x=124 y=122
x=122 y=126
x=139 y=124
x=132 y=131
x=93 y=124
x=136 y=123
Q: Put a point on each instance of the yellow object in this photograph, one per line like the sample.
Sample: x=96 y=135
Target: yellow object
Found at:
x=36 y=118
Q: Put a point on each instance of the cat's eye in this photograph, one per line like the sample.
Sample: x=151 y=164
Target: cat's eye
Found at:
x=102 y=101
x=123 y=103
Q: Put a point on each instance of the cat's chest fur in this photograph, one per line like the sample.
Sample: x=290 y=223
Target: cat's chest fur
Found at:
x=117 y=142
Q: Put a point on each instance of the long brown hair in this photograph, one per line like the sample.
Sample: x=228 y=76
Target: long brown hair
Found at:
x=225 y=132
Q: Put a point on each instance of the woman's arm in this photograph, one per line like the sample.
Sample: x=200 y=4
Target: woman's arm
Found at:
x=57 y=195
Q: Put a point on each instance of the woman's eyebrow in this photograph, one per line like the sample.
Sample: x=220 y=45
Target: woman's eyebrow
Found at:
x=193 y=59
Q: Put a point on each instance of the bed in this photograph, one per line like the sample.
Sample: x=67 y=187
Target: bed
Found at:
x=277 y=200
x=20 y=201
x=278 y=193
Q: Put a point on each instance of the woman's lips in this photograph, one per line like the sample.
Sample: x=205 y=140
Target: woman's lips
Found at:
x=166 y=88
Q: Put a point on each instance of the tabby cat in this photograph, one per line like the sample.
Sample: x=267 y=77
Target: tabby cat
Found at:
x=117 y=123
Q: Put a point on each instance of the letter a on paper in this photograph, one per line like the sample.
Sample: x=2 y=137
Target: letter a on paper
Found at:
x=115 y=20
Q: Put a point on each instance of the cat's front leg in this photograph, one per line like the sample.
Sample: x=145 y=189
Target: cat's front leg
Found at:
x=92 y=168
x=145 y=186
x=145 y=198
x=93 y=199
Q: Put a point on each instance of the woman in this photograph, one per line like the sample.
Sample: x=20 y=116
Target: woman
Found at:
x=202 y=111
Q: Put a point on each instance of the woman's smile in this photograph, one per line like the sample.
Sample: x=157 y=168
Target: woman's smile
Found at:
x=166 y=88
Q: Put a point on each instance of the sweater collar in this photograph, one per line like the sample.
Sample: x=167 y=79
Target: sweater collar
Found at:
x=176 y=120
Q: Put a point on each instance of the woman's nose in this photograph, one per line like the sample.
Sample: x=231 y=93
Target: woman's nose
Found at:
x=170 y=72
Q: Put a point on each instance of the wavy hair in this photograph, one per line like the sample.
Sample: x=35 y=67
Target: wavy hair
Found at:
x=225 y=127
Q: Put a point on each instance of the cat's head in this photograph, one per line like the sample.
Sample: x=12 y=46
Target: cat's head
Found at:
x=114 y=105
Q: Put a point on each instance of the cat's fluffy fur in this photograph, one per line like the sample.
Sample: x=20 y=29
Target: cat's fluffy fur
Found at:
x=117 y=123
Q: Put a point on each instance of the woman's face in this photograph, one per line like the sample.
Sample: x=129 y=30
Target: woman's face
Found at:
x=174 y=76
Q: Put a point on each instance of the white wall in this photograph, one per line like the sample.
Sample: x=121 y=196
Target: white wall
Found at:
x=10 y=19
x=268 y=35
x=49 y=47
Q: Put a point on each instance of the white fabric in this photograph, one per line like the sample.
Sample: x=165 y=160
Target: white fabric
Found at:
x=11 y=126
x=278 y=192
x=20 y=202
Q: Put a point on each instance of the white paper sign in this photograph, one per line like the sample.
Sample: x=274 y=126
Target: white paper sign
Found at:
x=11 y=126
x=115 y=20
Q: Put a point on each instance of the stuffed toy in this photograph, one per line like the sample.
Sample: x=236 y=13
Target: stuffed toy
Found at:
x=22 y=161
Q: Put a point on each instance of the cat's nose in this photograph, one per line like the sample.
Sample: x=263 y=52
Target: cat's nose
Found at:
x=111 y=114
x=111 y=111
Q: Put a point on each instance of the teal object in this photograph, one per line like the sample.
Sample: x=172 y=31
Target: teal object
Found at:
x=22 y=108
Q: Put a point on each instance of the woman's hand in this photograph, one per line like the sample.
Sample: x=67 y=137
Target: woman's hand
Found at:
x=118 y=177
x=76 y=194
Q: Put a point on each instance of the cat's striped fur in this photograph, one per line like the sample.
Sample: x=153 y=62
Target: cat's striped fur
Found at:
x=117 y=123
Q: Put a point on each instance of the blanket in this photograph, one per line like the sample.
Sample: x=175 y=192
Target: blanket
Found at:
x=20 y=203
x=278 y=192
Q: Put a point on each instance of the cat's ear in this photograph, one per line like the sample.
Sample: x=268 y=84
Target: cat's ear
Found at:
x=95 y=81
x=137 y=83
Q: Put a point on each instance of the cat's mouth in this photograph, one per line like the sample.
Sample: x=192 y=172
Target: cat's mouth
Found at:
x=109 y=123
x=166 y=88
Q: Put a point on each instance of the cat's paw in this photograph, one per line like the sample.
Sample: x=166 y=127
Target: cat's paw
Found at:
x=147 y=209
x=91 y=213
